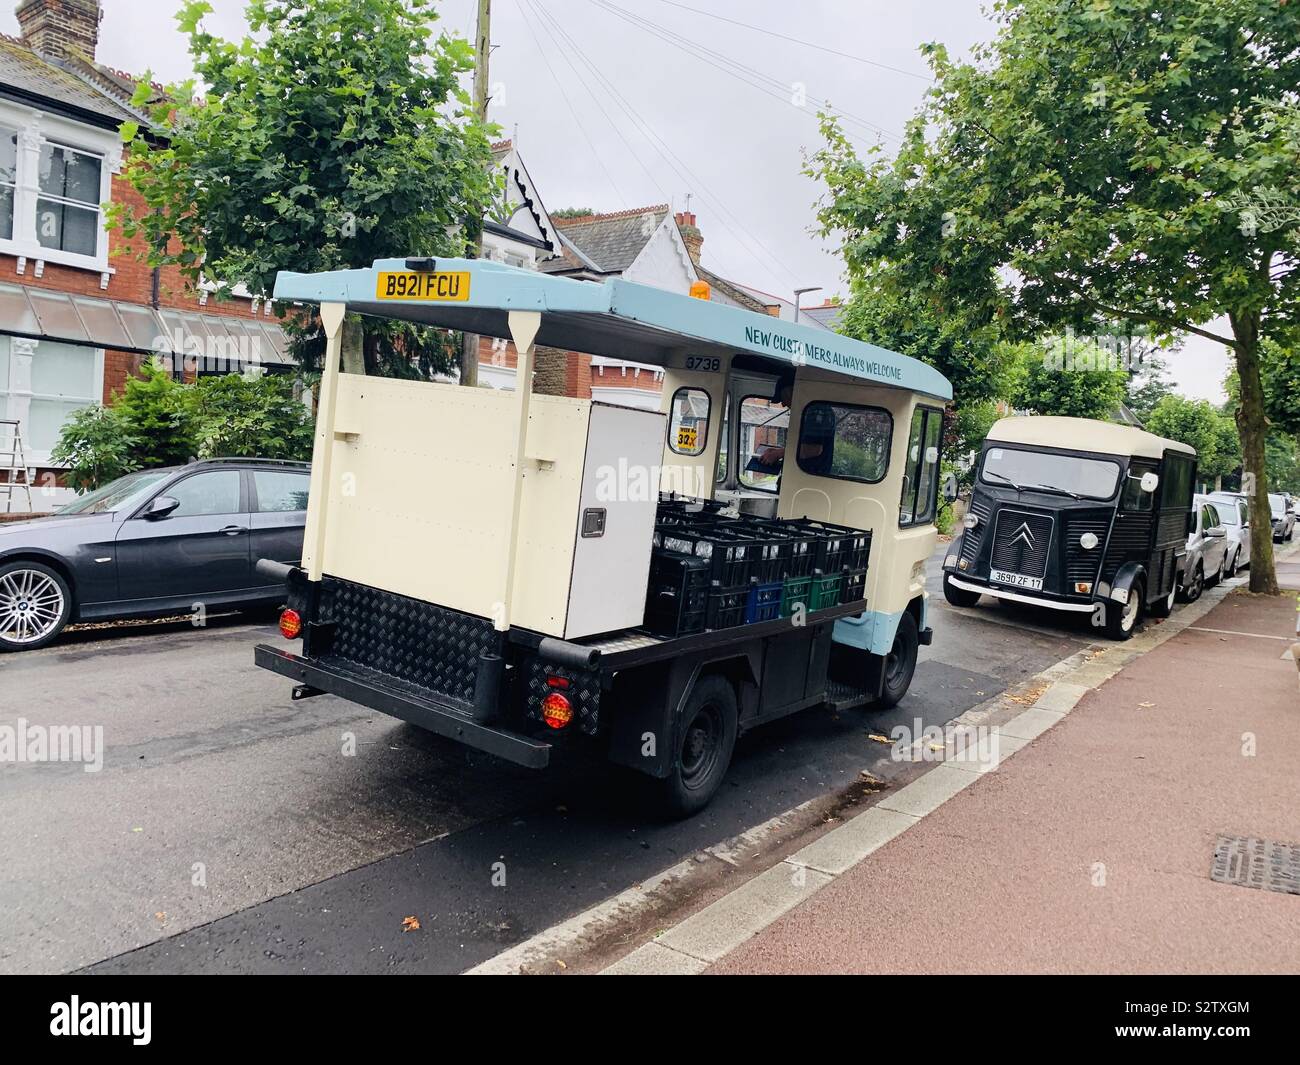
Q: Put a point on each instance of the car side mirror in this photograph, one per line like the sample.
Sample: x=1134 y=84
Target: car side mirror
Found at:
x=950 y=487
x=1216 y=533
x=1150 y=481
x=160 y=507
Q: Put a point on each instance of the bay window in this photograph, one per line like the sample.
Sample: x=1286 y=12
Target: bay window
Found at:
x=55 y=175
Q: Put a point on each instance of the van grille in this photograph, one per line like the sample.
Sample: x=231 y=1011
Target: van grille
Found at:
x=1081 y=565
x=409 y=640
x=1021 y=542
x=970 y=542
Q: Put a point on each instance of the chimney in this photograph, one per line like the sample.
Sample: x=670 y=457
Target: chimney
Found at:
x=60 y=29
x=691 y=235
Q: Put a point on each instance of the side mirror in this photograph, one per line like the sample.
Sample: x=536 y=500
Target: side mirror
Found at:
x=950 y=487
x=1150 y=481
x=160 y=507
x=1217 y=533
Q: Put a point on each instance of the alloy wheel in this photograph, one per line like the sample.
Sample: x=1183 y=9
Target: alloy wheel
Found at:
x=31 y=606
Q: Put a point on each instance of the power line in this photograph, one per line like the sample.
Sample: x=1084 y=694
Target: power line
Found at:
x=772 y=86
x=542 y=20
x=796 y=40
x=573 y=111
x=752 y=244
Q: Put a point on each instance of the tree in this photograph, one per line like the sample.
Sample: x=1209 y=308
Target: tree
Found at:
x=1071 y=380
x=336 y=133
x=242 y=416
x=1148 y=384
x=96 y=446
x=1120 y=160
x=1197 y=424
x=1279 y=370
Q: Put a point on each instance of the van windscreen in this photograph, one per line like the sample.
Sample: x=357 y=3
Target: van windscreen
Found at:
x=1038 y=470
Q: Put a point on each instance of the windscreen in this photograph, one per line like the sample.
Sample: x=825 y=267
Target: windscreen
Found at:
x=1072 y=475
x=117 y=495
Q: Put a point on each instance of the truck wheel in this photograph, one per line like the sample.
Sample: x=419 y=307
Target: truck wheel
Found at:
x=1162 y=608
x=1121 y=621
x=958 y=596
x=705 y=742
x=900 y=663
x=35 y=605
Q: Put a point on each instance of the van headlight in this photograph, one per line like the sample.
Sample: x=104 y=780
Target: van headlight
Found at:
x=1088 y=541
x=970 y=520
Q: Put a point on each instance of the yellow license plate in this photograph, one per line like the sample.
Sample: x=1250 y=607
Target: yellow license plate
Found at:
x=445 y=285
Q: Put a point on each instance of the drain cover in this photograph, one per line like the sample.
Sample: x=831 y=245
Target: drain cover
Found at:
x=1257 y=863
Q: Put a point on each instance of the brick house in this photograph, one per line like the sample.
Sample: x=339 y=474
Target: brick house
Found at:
x=78 y=312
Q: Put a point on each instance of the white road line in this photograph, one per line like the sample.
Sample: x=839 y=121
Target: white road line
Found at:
x=1234 y=632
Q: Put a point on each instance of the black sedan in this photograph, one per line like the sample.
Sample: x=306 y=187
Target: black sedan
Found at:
x=153 y=543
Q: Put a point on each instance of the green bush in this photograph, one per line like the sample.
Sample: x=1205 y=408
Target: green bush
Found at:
x=157 y=421
x=96 y=446
x=247 y=417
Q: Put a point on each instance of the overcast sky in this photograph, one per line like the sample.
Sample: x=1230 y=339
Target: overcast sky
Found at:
x=726 y=128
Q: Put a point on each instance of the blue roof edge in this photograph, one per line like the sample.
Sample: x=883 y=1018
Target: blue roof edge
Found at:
x=498 y=286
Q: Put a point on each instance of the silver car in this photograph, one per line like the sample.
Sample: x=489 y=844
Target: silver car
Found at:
x=1283 y=517
x=1234 y=516
x=1207 y=550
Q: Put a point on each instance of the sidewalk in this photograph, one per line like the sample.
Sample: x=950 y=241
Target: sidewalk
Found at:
x=1090 y=850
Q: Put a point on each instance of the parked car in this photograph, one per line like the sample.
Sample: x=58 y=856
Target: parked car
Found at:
x=1234 y=515
x=152 y=543
x=1207 y=550
x=1283 y=517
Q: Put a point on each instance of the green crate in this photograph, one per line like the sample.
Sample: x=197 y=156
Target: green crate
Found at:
x=826 y=591
x=795 y=591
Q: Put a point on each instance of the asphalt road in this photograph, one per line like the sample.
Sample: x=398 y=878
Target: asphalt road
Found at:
x=228 y=830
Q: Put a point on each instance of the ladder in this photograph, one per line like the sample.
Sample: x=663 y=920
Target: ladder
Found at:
x=13 y=464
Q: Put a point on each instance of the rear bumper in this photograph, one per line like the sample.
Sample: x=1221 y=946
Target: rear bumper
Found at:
x=439 y=718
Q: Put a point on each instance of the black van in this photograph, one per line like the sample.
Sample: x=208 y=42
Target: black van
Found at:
x=1075 y=515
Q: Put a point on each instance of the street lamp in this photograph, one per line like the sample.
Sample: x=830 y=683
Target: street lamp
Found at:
x=798 y=294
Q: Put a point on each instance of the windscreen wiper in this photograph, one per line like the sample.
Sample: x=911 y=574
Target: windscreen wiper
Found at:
x=1003 y=477
x=1055 y=488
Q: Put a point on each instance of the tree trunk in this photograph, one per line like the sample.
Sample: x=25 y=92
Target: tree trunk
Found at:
x=354 y=350
x=1252 y=425
x=550 y=375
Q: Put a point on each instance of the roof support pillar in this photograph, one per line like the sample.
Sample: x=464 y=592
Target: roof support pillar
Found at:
x=322 y=454
x=523 y=331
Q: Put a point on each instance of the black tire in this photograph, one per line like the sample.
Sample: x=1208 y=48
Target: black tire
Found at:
x=29 y=623
x=900 y=663
x=705 y=743
x=1162 y=608
x=1232 y=566
x=1290 y=534
x=1122 y=623
x=958 y=596
x=1192 y=590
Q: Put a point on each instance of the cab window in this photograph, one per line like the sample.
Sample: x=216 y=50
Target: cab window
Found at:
x=921 y=476
x=724 y=443
x=764 y=424
x=847 y=442
x=1133 y=498
x=688 y=425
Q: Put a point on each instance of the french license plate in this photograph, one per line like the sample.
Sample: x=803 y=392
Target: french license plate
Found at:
x=1015 y=580
x=444 y=285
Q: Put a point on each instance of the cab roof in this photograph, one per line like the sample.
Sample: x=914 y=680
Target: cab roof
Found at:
x=617 y=318
x=1084 y=434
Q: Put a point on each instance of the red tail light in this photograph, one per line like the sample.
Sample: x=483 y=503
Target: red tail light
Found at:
x=557 y=711
x=290 y=625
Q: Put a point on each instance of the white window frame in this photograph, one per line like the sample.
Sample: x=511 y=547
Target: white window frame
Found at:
x=18 y=394
x=35 y=130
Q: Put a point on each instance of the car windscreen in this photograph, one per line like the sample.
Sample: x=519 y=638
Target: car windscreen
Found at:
x=1042 y=471
x=1277 y=504
x=121 y=494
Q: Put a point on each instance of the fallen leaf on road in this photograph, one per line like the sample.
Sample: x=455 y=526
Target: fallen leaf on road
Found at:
x=160 y=916
x=410 y=924
x=878 y=738
x=560 y=964
x=1145 y=706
